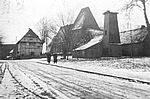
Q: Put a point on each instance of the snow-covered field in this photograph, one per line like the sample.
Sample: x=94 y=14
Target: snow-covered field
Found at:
x=68 y=79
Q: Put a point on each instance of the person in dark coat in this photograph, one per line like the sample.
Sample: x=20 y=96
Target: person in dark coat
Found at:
x=55 y=58
x=48 y=58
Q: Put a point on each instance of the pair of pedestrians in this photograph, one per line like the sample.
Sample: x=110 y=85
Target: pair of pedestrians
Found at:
x=49 y=57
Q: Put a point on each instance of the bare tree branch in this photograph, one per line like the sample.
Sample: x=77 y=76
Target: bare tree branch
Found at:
x=137 y=3
x=46 y=28
x=64 y=22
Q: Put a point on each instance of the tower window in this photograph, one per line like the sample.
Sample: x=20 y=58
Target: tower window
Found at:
x=105 y=32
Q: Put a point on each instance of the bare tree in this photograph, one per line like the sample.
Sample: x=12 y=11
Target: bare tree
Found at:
x=46 y=29
x=142 y=5
x=64 y=22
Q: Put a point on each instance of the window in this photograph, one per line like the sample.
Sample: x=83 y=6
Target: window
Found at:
x=38 y=46
x=32 y=53
x=27 y=44
x=30 y=38
x=105 y=32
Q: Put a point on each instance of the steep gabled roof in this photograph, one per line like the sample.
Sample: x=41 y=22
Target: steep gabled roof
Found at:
x=85 y=19
x=63 y=29
x=29 y=33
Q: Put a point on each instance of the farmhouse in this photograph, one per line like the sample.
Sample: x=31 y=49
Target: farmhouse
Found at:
x=29 y=45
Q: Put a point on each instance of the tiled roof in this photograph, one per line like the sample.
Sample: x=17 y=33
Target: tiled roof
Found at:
x=29 y=33
x=136 y=35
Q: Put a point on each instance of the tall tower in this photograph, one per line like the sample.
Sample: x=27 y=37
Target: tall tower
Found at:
x=111 y=29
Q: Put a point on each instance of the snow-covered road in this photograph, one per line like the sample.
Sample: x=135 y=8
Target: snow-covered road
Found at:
x=51 y=81
x=11 y=89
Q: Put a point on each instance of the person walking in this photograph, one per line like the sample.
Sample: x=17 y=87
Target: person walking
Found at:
x=48 y=58
x=55 y=58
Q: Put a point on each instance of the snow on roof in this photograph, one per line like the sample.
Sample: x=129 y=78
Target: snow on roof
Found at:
x=137 y=36
x=95 y=32
x=90 y=43
x=11 y=51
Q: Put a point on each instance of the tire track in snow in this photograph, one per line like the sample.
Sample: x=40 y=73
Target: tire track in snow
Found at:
x=11 y=89
x=31 y=91
x=123 y=87
x=134 y=91
x=77 y=90
x=102 y=74
x=2 y=71
x=41 y=73
x=55 y=94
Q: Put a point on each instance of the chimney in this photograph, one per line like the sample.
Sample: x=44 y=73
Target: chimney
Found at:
x=111 y=29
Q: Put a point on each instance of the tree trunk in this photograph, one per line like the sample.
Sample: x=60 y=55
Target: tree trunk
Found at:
x=147 y=39
x=64 y=55
x=146 y=18
x=145 y=15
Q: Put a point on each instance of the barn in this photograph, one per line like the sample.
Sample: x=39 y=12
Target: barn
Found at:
x=106 y=44
x=72 y=36
x=133 y=41
x=90 y=41
x=115 y=44
x=29 y=46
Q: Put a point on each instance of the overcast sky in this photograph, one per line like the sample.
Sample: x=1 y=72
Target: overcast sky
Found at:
x=15 y=24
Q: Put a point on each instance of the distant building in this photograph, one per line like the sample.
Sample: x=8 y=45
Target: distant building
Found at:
x=6 y=51
x=29 y=46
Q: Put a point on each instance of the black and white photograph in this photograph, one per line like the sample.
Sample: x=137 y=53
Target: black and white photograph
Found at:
x=74 y=49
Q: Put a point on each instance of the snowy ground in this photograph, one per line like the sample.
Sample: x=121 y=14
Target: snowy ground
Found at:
x=35 y=79
x=136 y=68
x=11 y=89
